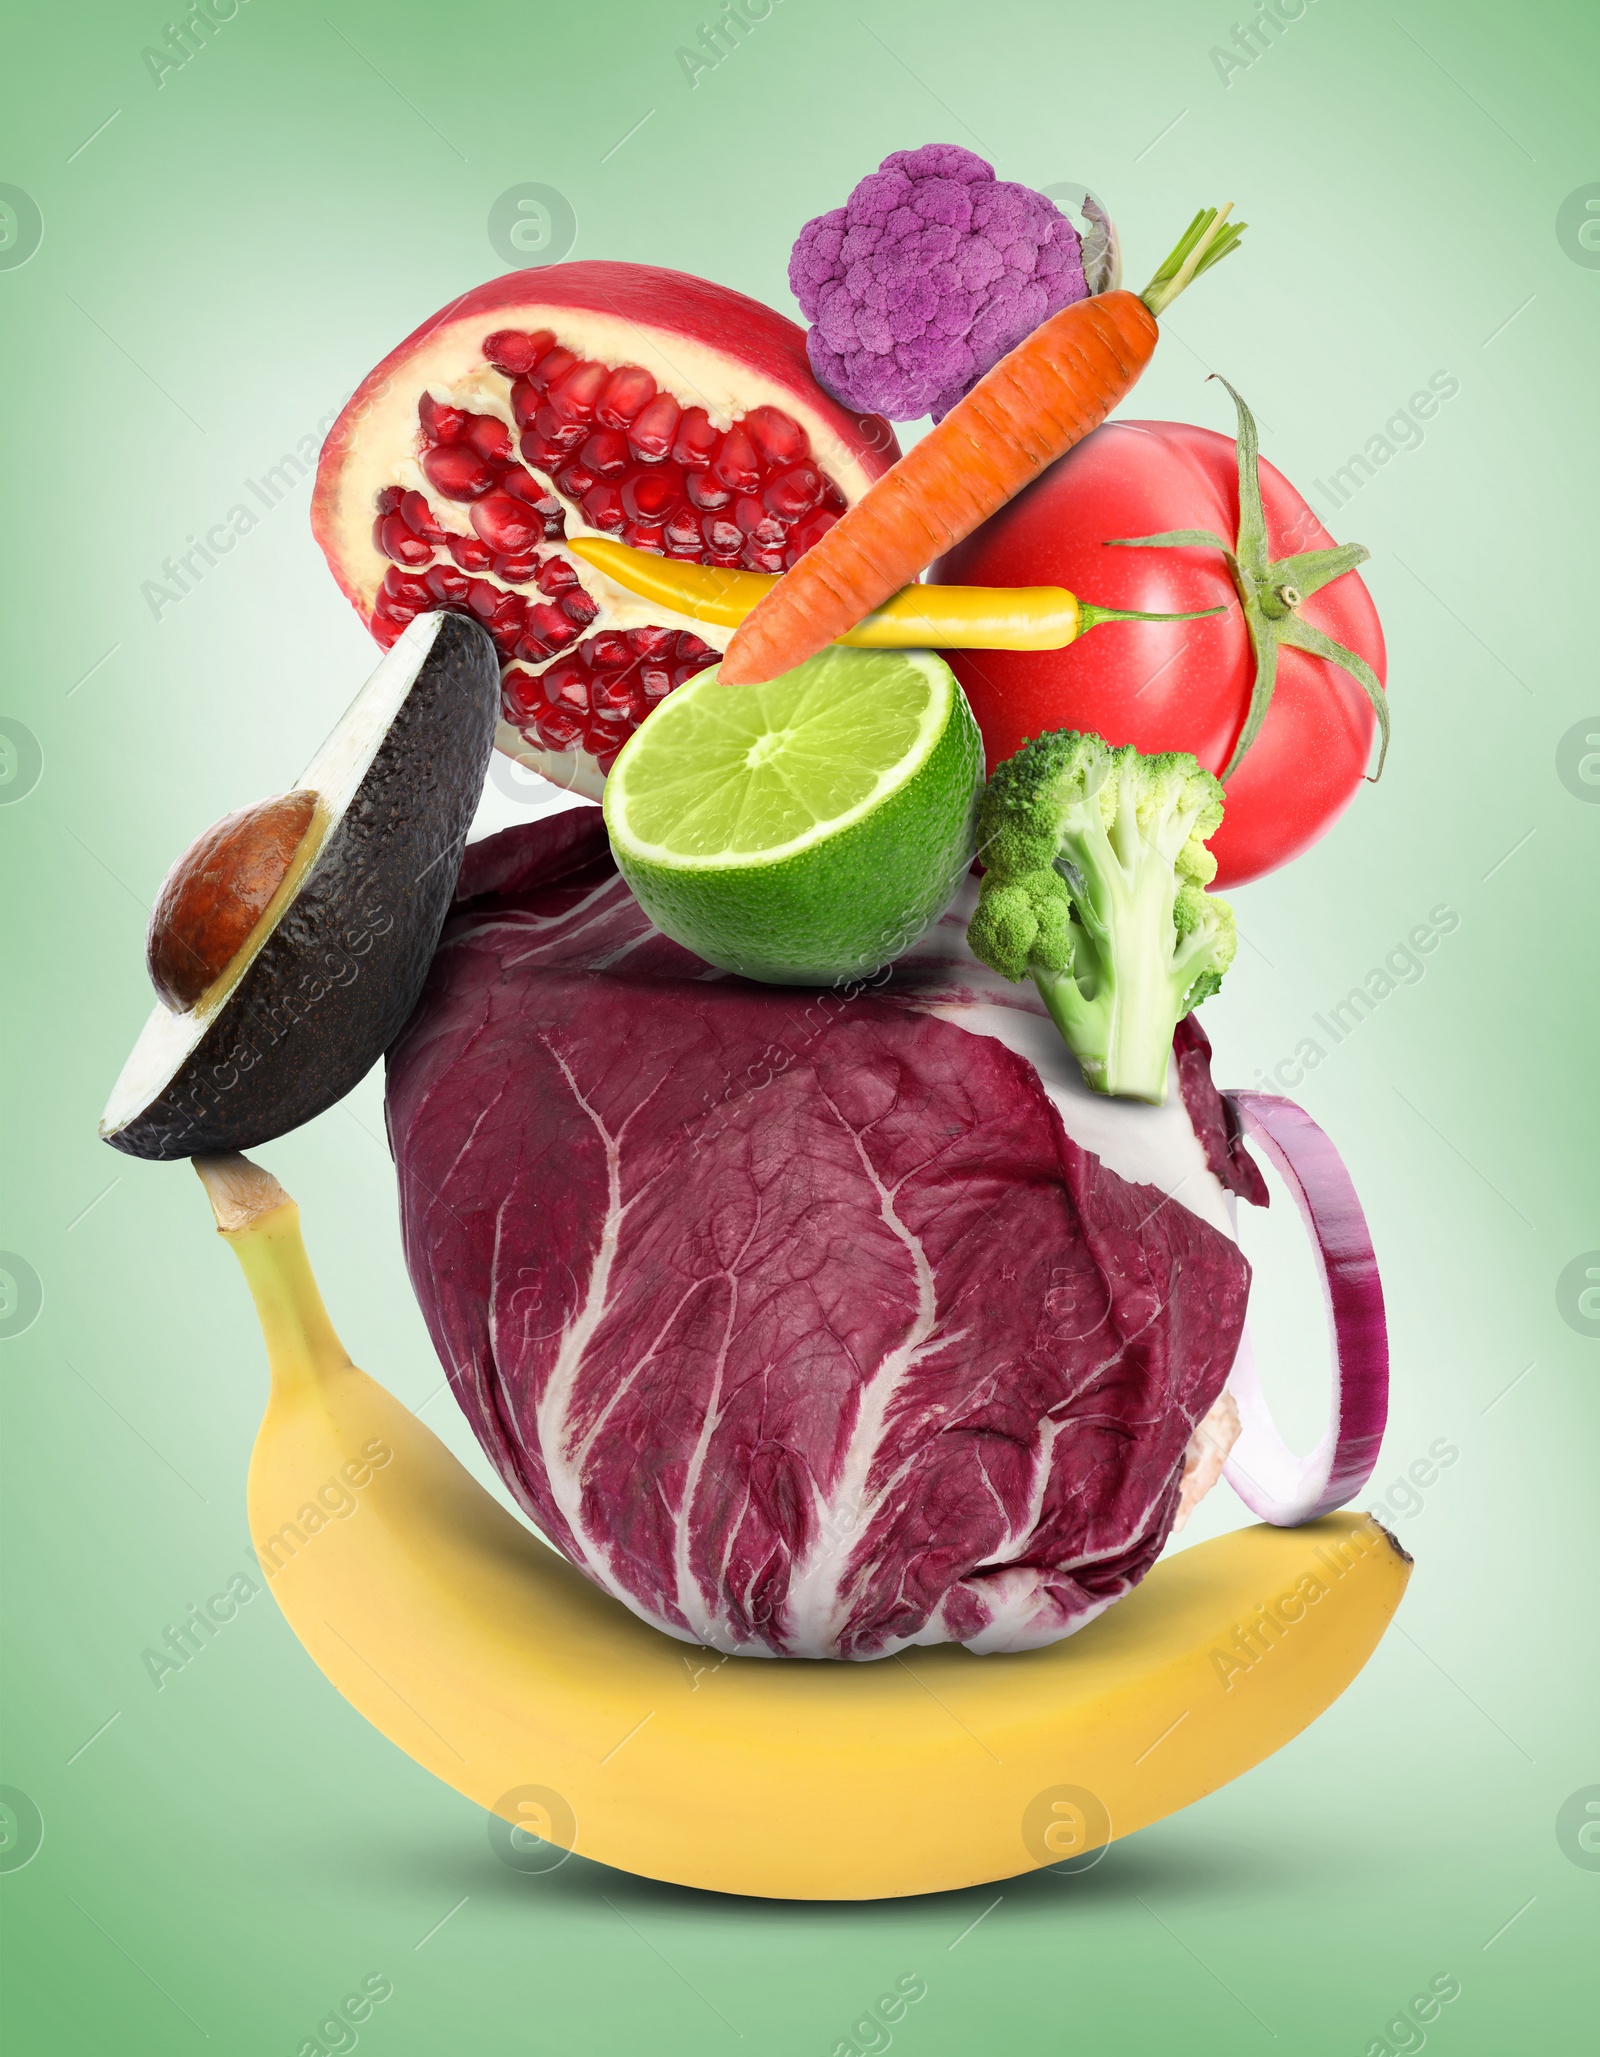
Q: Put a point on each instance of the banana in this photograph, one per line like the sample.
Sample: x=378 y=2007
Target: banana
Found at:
x=487 y=1658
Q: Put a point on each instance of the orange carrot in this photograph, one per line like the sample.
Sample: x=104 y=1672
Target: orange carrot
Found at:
x=1047 y=394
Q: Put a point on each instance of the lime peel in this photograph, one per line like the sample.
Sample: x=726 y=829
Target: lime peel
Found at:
x=815 y=835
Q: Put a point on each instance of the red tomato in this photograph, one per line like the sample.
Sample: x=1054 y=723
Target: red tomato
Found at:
x=1174 y=685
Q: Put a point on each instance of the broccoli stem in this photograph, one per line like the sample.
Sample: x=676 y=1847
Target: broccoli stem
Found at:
x=1118 y=1002
x=1117 y=1012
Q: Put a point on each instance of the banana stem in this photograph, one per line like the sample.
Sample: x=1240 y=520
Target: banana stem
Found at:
x=261 y=1225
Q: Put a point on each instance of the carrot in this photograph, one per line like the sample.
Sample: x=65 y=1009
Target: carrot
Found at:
x=1045 y=395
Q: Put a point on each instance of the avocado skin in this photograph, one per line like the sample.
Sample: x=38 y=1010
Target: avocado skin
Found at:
x=333 y=985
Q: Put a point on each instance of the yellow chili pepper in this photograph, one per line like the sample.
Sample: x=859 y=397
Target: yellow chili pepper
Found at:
x=917 y=617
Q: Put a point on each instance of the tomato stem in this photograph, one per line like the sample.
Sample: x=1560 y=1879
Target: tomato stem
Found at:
x=1270 y=593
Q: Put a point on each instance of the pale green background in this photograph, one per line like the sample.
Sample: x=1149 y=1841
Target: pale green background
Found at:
x=219 y=266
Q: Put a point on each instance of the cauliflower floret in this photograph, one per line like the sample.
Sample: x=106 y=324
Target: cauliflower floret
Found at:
x=930 y=272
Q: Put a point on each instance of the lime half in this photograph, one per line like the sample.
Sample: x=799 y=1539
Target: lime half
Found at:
x=807 y=830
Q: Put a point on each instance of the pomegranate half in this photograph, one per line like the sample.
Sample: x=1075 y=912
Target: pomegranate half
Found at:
x=577 y=400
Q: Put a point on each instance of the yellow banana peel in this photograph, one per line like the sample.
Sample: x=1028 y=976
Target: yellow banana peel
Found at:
x=488 y=1659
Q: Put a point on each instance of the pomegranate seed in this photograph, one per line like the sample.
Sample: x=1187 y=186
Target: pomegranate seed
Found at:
x=722 y=536
x=526 y=400
x=544 y=451
x=608 y=651
x=639 y=535
x=778 y=438
x=695 y=444
x=389 y=499
x=447 y=586
x=558 y=730
x=458 y=471
x=555 y=430
x=532 y=647
x=579 y=606
x=468 y=552
x=574 y=479
x=546 y=621
x=413 y=591
x=749 y=513
x=613 y=695
x=683 y=531
x=754 y=558
x=604 y=736
x=692 y=651
x=628 y=389
x=605 y=454
x=603 y=509
x=657 y=681
x=511 y=352
x=832 y=498
x=516 y=571
x=441 y=423
x=538 y=496
x=385 y=632
x=555 y=365
x=521 y=696
x=567 y=685
x=573 y=397
x=507 y=525
x=652 y=642
x=651 y=496
x=653 y=428
x=490 y=437
x=556 y=575
x=793 y=493
x=395 y=540
x=812 y=529
x=704 y=492
x=417 y=515
x=736 y=464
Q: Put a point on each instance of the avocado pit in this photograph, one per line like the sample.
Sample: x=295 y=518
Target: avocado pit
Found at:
x=219 y=889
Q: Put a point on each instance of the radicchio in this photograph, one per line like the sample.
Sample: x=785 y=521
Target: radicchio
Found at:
x=806 y=1324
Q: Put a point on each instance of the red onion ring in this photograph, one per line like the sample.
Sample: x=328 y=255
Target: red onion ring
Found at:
x=1268 y=1476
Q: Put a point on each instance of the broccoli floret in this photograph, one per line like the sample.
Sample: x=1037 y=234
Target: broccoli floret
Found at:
x=1095 y=874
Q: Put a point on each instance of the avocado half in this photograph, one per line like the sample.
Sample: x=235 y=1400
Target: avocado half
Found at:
x=326 y=979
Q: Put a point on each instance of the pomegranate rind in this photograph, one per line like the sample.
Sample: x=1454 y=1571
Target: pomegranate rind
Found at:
x=719 y=350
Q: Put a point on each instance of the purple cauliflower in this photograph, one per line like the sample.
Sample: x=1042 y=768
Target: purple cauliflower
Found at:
x=930 y=272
